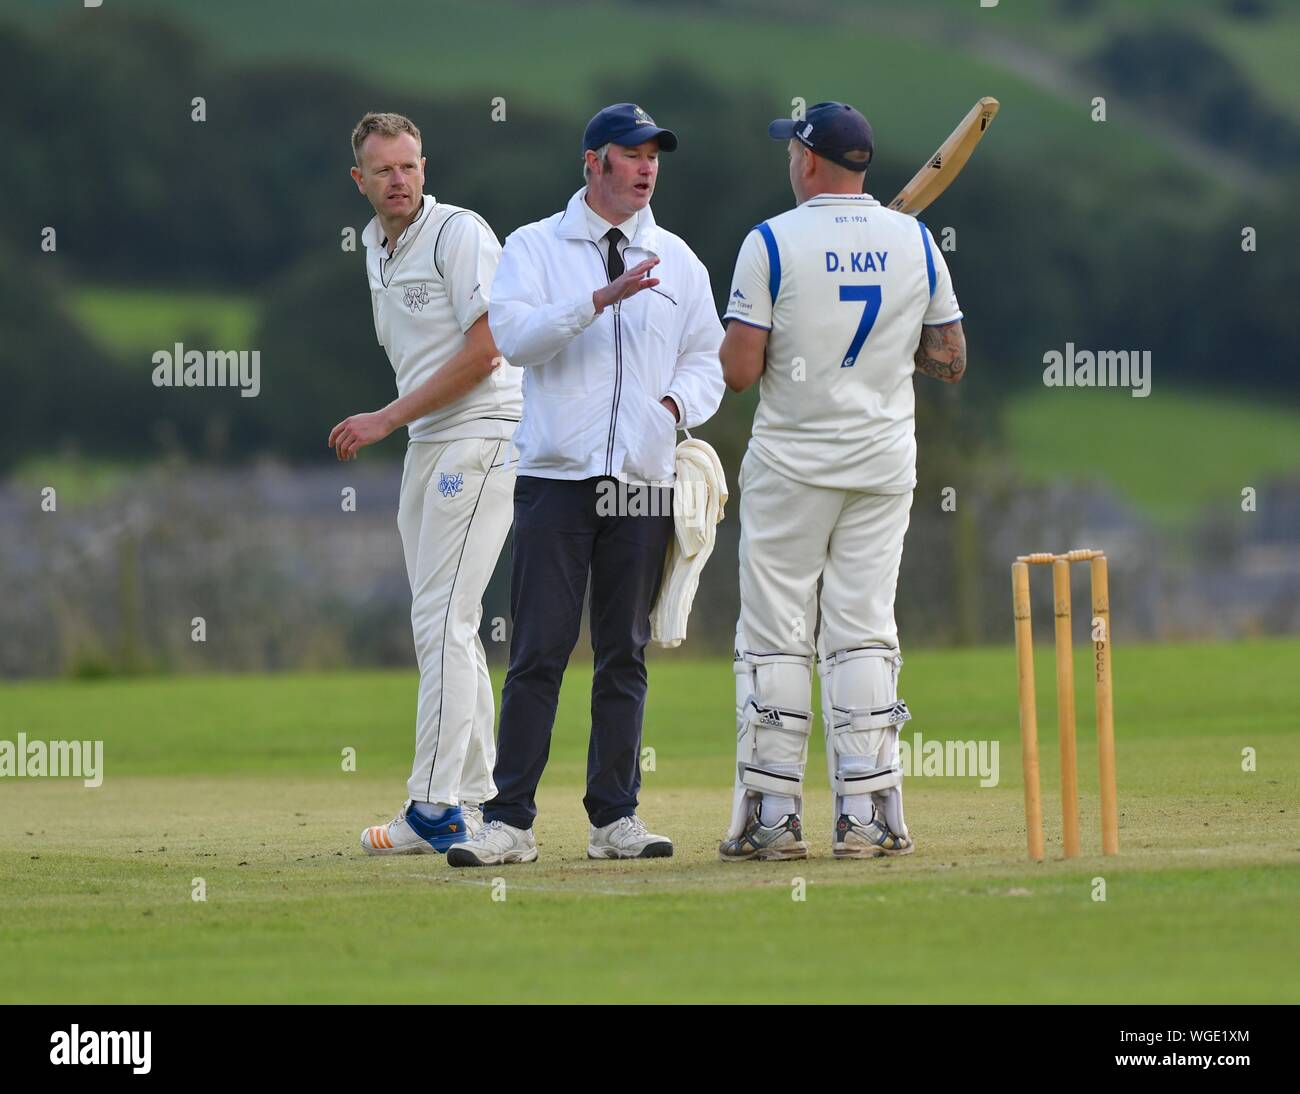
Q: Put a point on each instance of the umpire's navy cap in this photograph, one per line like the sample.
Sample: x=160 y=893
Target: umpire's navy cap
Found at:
x=830 y=130
x=626 y=124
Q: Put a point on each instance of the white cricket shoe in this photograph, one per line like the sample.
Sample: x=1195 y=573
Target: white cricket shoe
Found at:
x=853 y=839
x=766 y=843
x=627 y=837
x=495 y=844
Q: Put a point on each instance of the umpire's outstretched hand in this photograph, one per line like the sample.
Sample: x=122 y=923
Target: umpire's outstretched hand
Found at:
x=625 y=285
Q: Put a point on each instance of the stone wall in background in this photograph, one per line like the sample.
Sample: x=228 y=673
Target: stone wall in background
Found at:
x=283 y=577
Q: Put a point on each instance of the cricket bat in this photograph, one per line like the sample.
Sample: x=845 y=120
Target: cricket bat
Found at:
x=944 y=166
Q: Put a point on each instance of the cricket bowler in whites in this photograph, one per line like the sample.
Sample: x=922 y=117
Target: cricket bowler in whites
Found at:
x=430 y=267
x=834 y=305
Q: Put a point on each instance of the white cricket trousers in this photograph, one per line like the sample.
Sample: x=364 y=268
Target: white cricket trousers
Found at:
x=455 y=511
x=791 y=534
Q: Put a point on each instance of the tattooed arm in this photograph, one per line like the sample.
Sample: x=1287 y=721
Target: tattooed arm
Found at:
x=942 y=352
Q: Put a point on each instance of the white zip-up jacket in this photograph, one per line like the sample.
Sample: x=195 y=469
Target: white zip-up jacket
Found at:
x=592 y=383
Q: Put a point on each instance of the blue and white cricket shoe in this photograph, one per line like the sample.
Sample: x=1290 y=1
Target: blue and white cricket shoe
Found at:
x=409 y=833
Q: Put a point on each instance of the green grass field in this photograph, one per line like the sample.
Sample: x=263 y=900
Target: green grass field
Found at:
x=237 y=780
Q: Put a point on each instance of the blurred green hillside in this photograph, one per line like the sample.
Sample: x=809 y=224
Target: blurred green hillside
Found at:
x=226 y=234
x=1257 y=35
x=131 y=321
x=904 y=64
x=1164 y=457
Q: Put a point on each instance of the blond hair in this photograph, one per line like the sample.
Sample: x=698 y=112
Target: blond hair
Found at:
x=386 y=125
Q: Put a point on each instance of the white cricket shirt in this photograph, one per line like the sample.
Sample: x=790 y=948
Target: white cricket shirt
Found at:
x=844 y=285
x=425 y=296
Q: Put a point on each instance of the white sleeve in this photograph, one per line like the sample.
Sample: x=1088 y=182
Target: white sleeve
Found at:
x=530 y=330
x=697 y=383
x=750 y=296
x=943 y=297
x=466 y=256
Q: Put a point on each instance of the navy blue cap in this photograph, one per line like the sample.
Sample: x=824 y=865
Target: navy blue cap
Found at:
x=830 y=130
x=626 y=124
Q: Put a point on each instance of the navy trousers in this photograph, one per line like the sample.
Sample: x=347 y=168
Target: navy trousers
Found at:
x=562 y=537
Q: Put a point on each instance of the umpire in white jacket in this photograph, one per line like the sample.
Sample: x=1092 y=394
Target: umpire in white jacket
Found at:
x=612 y=320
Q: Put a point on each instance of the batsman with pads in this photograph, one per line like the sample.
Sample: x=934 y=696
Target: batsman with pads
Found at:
x=834 y=305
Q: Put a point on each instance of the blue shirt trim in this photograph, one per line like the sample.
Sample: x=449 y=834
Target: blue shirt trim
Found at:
x=773 y=261
x=929 y=258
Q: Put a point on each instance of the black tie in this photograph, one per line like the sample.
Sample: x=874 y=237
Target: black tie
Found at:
x=614 y=261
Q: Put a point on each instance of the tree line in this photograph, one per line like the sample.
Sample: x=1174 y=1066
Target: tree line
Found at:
x=256 y=198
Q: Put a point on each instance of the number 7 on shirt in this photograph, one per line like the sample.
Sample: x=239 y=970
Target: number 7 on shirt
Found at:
x=870 y=297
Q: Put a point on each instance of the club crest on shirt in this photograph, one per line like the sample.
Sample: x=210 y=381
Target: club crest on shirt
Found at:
x=450 y=485
x=416 y=296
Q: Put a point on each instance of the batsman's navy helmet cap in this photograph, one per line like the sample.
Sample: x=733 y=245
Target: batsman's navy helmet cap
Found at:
x=830 y=130
x=626 y=124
